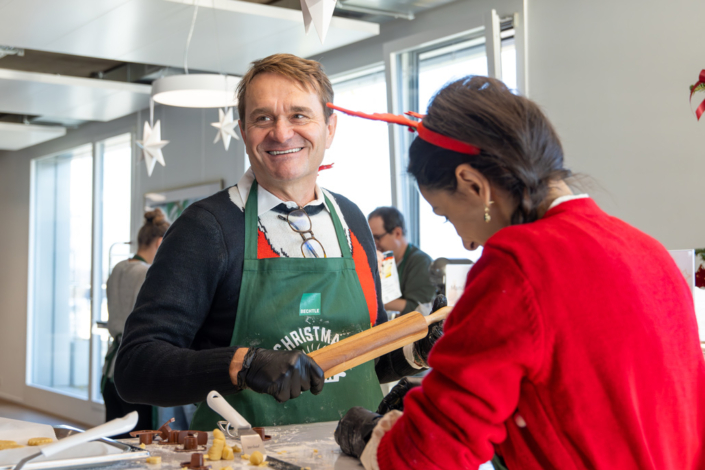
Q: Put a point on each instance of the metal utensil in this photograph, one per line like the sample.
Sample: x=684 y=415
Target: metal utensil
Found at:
x=116 y=426
x=63 y=431
x=250 y=440
x=281 y=465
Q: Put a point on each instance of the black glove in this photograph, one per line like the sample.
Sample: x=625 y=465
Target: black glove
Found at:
x=355 y=429
x=395 y=398
x=423 y=346
x=281 y=374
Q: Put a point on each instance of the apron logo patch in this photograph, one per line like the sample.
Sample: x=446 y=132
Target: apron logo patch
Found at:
x=310 y=305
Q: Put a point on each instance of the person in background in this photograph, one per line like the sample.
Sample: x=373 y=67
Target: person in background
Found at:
x=575 y=344
x=123 y=285
x=417 y=291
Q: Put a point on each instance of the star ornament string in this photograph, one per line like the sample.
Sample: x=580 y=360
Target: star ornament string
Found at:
x=226 y=127
x=151 y=145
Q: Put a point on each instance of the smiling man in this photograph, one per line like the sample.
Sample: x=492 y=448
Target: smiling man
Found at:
x=249 y=280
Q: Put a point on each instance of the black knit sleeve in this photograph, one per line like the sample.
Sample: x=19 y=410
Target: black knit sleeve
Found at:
x=159 y=361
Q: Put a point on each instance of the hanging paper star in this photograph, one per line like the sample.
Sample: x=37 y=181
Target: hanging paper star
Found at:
x=320 y=13
x=151 y=145
x=226 y=127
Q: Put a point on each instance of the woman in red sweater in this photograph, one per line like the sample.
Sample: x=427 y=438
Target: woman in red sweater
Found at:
x=575 y=344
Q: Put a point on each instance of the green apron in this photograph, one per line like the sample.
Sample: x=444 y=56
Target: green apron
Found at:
x=305 y=304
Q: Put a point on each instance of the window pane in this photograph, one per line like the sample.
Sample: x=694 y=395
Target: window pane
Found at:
x=360 y=149
x=116 y=202
x=509 y=64
x=114 y=237
x=437 y=238
x=61 y=284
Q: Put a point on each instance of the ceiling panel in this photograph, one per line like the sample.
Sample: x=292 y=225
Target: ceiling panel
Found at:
x=19 y=136
x=228 y=35
x=69 y=97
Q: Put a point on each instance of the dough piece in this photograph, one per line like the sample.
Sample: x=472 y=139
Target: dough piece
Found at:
x=245 y=456
x=154 y=459
x=143 y=446
x=227 y=468
x=218 y=434
x=228 y=453
x=256 y=458
x=236 y=448
x=7 y=442
x=216 y=451
x=10 y=446
x=39 y=441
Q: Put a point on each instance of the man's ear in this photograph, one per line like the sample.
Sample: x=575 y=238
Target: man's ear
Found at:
x=473 y=183
x=397 y=232
x=331 y=126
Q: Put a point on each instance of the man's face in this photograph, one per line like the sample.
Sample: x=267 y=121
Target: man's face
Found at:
x=384 y=240
x=285 y=130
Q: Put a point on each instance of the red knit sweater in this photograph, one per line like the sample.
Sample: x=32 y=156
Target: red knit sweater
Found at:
x=583 y=326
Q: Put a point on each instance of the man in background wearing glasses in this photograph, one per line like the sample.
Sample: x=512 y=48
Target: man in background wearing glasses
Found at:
x=250 y=279
x=389 y=233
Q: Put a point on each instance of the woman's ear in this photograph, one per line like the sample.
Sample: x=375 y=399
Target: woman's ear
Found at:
x=472 y=182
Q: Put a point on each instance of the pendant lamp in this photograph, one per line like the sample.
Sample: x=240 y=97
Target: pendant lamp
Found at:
x=197 y=90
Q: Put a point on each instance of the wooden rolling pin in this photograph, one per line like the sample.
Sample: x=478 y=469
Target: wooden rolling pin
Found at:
x=375 y=342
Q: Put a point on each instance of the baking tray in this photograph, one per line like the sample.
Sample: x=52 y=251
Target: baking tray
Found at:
x=129 y=453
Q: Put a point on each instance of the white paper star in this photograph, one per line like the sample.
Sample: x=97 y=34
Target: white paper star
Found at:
x=226 y=127
x=151 y=145
x=320 y=12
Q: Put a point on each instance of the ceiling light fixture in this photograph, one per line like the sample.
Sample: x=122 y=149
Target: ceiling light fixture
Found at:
x=196 y=91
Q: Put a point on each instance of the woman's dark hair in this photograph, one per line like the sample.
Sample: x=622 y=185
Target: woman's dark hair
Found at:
x=520 y=150
x=155 y=226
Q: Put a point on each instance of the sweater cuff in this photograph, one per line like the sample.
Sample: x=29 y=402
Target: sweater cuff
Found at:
x=222 y=357
x=370 y=456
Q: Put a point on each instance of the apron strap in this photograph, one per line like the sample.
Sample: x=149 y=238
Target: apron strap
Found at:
x=339 y=231
x=252 y=219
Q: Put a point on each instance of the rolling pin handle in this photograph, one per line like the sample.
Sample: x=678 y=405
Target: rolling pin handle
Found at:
x=439 y=315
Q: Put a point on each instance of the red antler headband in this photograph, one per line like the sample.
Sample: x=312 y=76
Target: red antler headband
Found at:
x=425 y=133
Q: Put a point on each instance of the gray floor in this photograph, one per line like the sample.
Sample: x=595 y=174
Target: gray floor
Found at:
x=17 y=411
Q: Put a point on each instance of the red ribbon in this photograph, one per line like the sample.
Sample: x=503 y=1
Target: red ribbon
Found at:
x=701 y=109
x=326 y=167
x=426 y=134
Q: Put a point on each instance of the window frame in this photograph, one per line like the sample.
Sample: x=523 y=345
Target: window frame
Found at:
x=53 y=397
x=401 y=66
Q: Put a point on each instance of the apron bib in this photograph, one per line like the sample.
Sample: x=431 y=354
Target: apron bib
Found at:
x=305 y=304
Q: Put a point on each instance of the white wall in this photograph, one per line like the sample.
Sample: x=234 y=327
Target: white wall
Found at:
x=613 y=77
x=191 y=158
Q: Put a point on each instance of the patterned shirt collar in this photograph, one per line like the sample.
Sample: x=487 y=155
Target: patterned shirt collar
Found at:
x=266 y=201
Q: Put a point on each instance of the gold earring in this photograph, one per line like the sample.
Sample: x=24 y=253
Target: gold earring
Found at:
x=487 y=214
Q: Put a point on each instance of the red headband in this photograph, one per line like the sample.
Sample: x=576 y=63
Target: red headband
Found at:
x=425 y=133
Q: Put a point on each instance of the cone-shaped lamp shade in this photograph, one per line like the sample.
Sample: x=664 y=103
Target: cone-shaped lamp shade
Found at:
x=196 y=91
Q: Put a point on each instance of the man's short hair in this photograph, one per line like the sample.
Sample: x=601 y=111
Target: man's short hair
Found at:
x=307 y=73
x=391 y=217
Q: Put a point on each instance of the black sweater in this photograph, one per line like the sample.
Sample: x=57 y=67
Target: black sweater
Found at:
x=176 y=344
